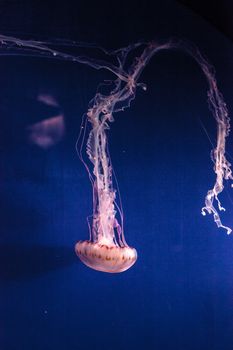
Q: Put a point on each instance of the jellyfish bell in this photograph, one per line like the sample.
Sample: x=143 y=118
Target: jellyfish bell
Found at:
x=105 y=257
x=106 y=250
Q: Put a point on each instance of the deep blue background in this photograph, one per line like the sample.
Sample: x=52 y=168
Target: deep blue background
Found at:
x=178 y=296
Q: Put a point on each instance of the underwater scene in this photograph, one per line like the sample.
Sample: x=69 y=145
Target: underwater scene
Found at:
x=116 y=190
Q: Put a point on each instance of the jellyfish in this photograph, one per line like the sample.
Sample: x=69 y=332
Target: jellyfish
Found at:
x=106 y=249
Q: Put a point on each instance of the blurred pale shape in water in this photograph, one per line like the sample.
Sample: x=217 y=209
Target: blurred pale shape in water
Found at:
x=50 y=131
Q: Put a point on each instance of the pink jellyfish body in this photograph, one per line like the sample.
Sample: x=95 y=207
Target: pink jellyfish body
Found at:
x=107 y=249
x=106 y=257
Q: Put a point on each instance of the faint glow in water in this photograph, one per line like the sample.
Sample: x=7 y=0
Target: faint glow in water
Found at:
x=47 y=133
x=107 y=250
x=50 y=131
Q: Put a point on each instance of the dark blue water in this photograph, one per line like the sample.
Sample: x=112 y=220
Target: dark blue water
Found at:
x=178 y=295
